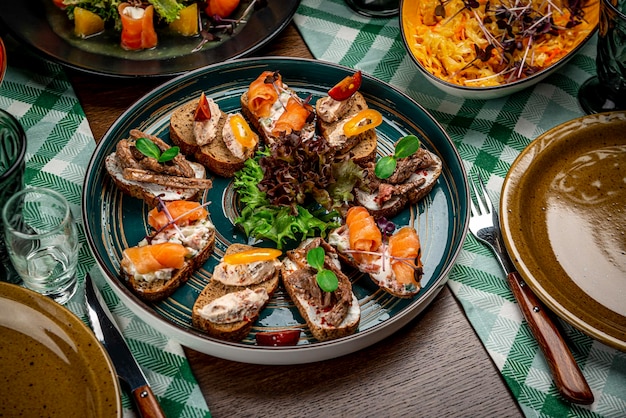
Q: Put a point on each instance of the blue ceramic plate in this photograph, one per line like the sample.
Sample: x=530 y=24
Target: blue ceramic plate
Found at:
x=42 y=26
x=115 y=221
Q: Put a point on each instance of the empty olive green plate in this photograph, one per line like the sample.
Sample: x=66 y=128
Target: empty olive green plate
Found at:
x=563 y=210
x=50 y=363
x=115 y=221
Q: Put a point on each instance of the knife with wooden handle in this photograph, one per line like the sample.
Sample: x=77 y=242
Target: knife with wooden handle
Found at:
x=125 y=364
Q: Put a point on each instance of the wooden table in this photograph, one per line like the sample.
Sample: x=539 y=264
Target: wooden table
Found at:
x=434 y=366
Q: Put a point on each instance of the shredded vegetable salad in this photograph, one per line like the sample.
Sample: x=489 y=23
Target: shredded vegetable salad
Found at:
x=481 y=43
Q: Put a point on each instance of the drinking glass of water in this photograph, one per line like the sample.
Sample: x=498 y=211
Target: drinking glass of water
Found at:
x=42 y=241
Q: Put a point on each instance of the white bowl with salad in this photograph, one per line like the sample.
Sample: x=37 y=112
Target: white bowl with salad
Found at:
x=480 y=49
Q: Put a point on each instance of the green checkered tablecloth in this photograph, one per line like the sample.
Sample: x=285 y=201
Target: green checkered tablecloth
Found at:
x=489 y=135
x=60 y=144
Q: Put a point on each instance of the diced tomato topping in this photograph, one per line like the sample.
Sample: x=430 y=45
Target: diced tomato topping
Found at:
x=346 y=87
x=203 y=112
x=278 y=338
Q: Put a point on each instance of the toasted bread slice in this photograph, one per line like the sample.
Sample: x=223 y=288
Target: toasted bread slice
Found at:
x=299 y=277
x=159 y=289
x=410 y=195
x=149 y=191
x=384 y=276
x=308 y=131
x=330 y=123
x=363 y=152
x=215 y=156
x=234 y=331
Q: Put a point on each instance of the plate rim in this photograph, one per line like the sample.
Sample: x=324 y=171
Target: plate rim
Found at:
x=281 y=355
x=6 y=289
x=63 y=52
x=523 y=163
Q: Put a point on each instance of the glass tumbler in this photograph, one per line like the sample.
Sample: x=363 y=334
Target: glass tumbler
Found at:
x=42 y=241
x=12 y=164
x=607 y=91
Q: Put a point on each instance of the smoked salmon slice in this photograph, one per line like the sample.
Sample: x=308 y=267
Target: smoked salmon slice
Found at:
x=405 y=245
x=364 y=234
x=292 y=119
x=151 y=258
x=262 y=95
x=183 y=212
x=137 y=27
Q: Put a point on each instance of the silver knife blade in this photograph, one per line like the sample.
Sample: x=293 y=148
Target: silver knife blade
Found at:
x=126 y=366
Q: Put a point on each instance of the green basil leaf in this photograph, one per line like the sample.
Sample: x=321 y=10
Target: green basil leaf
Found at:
x=148 y=148
x=168 y=154
x=407 y=146
x=327 y=280
x=315 y=258
x=385 y=167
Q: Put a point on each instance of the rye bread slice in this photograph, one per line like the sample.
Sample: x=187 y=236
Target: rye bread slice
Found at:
x=157 y=290
x=235 y=331
x=321 y=330
x=149 y=191
x=215 y=156
x=334 y=130
x=398 y=202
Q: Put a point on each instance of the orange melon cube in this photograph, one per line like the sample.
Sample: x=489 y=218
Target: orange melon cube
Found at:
x=87 y=23
x=187 y=22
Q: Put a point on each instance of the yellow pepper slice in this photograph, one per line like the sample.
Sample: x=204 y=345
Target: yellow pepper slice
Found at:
x=243 y=133
x=363 y=121
x=252 y=255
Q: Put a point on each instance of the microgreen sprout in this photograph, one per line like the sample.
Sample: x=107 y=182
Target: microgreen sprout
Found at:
x=326 y=279
x=150 y=149
x=386 y=226
x=406 y=147
x=223 y=25
x=162 y=207
x=518 y=27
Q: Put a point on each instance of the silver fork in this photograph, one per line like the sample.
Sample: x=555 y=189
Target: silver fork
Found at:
x=484 y=224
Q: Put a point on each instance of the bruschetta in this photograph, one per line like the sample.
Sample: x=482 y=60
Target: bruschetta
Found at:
x=275 y=110
x=220 y=141
x=347 y=123
x=240 y=287
x=414 y=177
x=183 y=238
x=144 y=177
x=392 y=262
x=328 y=314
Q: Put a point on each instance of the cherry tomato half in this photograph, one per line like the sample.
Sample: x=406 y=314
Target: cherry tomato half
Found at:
x=203 y=112
x=346 y=87
x=278 y=338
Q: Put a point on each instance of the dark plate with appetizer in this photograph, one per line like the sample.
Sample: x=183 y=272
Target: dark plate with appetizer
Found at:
x=115 y=221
